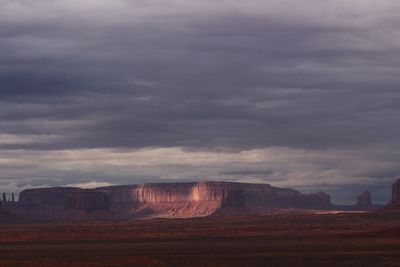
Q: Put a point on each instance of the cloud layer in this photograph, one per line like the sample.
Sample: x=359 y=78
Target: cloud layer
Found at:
x=126 y=79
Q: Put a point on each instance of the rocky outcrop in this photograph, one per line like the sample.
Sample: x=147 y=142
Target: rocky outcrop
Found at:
x=364 y=203
x=174 y=192
x=86 y=200
x=394 y=204
x=170 y=200
x=319 y=200
x=61 y=203
x=7 y=217
x=396 y=191
x=54 y=196
x=364 y=200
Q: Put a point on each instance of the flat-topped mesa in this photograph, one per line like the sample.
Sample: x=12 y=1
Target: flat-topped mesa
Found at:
x=364 y=200
x=167 y=200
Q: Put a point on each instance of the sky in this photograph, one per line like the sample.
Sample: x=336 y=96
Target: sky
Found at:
x=300 y=94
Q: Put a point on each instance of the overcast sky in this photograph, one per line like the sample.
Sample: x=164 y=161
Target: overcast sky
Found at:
x=301 y=94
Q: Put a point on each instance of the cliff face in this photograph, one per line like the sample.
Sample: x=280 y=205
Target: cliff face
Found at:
x=394 y=204
x=45 y=196
x=8 y=217
x=319 y=200
x=174 y=192
x=86 y=200
x=364 y=200
x=165 y=200
x=396 y=191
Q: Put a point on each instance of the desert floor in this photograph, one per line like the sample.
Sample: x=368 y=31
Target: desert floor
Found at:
x=273 y=240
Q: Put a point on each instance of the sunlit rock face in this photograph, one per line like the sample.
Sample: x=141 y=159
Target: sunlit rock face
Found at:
x=174 y=192
x=171 y=200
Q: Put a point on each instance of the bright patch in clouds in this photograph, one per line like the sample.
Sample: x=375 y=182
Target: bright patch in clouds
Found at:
x=89 y=185
x=306 y=170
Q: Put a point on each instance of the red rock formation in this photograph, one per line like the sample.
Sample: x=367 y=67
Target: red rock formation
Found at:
x=396 y=191
x=394 y=204
x=8 y=217
x=364 y=200
x=319 y=200
x=45 y=196
x=86 y=200
x=168 y=200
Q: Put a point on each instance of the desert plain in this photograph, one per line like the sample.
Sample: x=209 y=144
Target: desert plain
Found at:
x=331 y=239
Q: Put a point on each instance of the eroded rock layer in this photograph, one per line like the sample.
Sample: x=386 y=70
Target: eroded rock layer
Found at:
x=86 y=200
x=394 y=204
x=364 y=200
x=170 y=200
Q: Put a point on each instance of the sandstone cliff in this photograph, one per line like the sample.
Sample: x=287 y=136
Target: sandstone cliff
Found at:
x=394 y=204
x=364 y=200
x=170 y=200
x=45 y=196
x=396 y=192
x=86 y=200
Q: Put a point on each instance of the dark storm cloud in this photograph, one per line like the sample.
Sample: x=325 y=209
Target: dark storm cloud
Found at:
x=249 y=172
x=232 y=80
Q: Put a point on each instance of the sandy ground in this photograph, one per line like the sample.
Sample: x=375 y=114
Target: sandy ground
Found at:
x=274 y=240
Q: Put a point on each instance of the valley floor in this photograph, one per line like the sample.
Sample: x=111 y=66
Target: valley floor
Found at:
x=275 y=240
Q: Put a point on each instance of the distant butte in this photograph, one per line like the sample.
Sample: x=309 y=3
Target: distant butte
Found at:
x=394 y=204
x=364 y=201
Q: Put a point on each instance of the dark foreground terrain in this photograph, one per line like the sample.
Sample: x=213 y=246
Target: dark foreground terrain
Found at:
x=275 y=240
